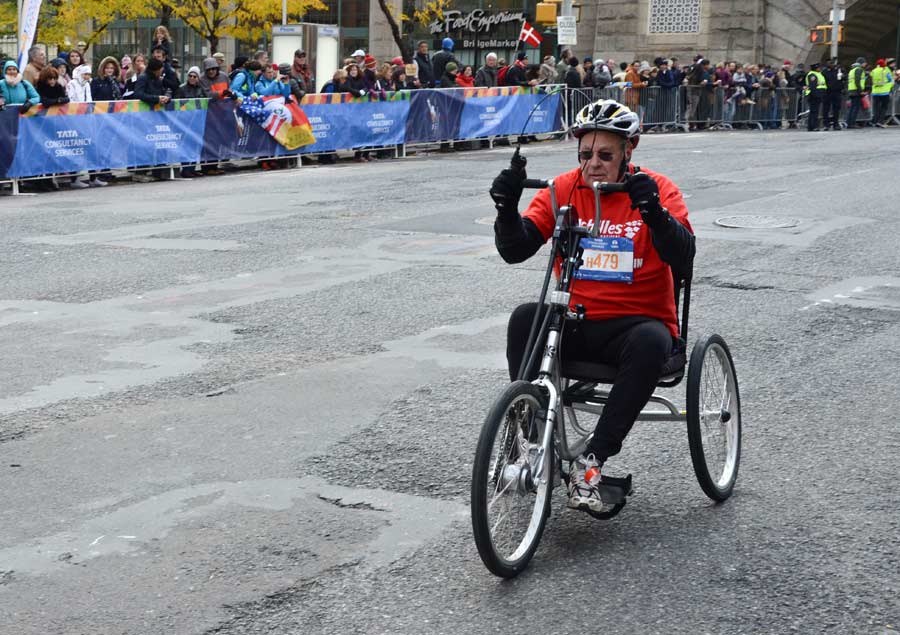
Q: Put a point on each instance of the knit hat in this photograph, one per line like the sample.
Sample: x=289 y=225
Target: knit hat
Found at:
x=194 y=70
x=573 y=61
x=397 y=61
x=523 y=55
x=58 y=62
x=370 y=62
x=860 y=60
x=284 y=69
x=451 y=67
x=210 y=62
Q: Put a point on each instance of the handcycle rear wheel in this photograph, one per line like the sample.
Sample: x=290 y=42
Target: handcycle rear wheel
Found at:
x=510 y=503
x=714 y=417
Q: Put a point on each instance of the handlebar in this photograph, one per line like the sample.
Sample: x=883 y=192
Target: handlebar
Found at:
x=540 y=184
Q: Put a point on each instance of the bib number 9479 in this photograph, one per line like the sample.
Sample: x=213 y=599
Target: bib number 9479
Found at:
x=607 y=259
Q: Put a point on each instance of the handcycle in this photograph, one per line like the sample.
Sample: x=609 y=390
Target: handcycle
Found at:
x=533 y=426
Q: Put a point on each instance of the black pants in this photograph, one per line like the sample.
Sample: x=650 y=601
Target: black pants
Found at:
x=638 y=345
x=882 y=106
x=814 y=101
x=831 y=110
x=853 y=113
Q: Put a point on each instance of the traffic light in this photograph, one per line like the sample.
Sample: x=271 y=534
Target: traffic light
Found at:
x=822 y=34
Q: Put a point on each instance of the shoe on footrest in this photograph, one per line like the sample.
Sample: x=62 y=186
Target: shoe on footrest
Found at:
x=584 y=477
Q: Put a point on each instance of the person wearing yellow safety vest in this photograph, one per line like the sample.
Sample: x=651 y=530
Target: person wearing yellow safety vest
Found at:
x=882 y=83
x=814 y=93
x=858 y=84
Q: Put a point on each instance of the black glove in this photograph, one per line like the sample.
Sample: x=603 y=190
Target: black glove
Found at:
x=63 y=100
x=25 y=107
x=506 y=190
x=644 y=195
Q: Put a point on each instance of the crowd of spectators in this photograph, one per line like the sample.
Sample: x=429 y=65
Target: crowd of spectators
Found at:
x=697 y=94
x=722 y=91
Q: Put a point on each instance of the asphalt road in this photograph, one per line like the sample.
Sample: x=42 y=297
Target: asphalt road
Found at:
x=249 y=404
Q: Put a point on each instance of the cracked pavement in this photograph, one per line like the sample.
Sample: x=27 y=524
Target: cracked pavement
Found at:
x=249 y=404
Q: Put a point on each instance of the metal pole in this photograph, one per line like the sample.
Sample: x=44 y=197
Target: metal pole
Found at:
x=835 y=26
x=283 y=12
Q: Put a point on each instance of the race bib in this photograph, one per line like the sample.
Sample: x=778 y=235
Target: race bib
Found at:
x=607 y=259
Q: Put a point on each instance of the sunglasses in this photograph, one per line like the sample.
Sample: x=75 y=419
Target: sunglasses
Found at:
x=586 y=155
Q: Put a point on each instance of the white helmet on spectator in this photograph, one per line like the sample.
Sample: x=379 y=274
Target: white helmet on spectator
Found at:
x=606 y=115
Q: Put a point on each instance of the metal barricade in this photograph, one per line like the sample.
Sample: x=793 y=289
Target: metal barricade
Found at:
x=704 y=107
x=763 y=109
x=895 y=104
x=659 y=108
x=786 y=105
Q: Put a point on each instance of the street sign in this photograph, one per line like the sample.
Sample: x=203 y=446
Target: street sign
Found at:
x=567 y=30
x=843 y=15
x=287 y=29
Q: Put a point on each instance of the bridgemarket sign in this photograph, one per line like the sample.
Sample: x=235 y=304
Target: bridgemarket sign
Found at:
x=475 y=21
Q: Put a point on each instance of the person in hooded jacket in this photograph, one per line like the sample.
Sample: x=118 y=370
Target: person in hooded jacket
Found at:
x=79 y=89
x=443 y=57
x=50 y=89
x=213 y=80
x=106 y=87
x=16 y=90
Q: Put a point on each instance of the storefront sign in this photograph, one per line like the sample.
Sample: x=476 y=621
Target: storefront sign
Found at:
x=475 y=21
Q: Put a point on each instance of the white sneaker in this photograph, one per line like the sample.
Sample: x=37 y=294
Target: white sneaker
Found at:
x=95 y=182
x=80 y=185
x=584 y=476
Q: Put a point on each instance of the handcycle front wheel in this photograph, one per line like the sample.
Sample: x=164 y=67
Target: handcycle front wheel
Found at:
x=714 y=417
x=510 y=502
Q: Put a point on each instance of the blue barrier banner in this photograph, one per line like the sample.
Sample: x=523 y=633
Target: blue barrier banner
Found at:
x=104 y=135
x=128 y=134
x=230 y=134
x=434 y=115
x=498 y=115
x=357 y=124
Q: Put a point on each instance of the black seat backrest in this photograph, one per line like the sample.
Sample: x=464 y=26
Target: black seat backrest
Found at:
x=682 y=283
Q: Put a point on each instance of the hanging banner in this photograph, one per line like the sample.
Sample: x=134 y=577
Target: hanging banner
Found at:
x=31 y=9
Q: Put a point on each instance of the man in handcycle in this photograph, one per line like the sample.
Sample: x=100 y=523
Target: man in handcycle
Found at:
x=630 y=318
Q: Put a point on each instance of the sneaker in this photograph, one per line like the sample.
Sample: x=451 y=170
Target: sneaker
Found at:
x=80 y=185
x=584 y=476
x=95 y=182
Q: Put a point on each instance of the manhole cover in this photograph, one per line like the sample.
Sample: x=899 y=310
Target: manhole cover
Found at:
x=757 y=221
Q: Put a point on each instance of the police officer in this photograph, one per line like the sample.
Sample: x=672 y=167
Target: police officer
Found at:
x=816 y=85
x=831 y=104
x=882 y=82
x=857 y=86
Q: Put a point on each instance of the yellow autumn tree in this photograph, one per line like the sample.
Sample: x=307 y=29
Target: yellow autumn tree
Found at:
x=241 y=19
x=68 y=21
x=7 y=17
